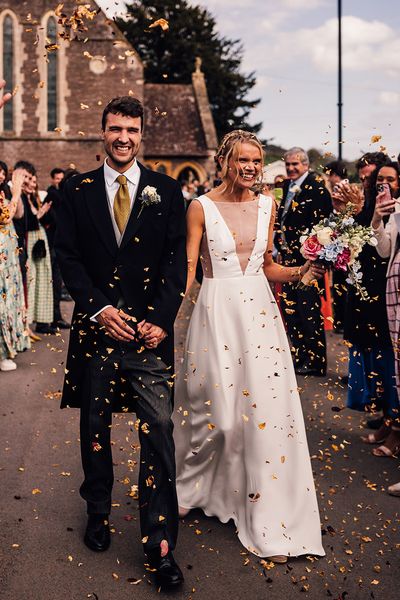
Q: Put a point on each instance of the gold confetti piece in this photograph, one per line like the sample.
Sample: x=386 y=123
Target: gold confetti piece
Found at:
x=115 y=576
x=161 y=518
x=375 y=138
x=163 y=23
x=211 y=426
x=366 y=539
x=36 y=491
x=15 y=546
x=375 y=582
x=283 y=458
x=144 y=539
x=246 y=393
x=261 y=425
x=70 y=558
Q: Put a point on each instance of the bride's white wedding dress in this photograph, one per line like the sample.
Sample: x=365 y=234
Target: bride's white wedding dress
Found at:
x=240 y=439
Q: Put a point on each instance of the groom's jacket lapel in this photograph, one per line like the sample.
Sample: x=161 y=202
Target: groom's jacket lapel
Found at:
x=97 y=204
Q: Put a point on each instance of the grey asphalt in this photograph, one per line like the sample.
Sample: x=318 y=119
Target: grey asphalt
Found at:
x=42 y=517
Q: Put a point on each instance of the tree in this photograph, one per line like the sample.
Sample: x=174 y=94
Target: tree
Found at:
x=169 y=56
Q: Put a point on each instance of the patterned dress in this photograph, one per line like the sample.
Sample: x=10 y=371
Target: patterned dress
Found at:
x=13 y=333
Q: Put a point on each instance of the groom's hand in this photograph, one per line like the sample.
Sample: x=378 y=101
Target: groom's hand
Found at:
x=114 y=322
x=152 y=335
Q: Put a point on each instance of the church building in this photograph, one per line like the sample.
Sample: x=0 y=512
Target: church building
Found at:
x=64 y=63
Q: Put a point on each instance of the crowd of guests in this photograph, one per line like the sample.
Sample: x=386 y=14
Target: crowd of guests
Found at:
x=30 y=281
x=371 y=325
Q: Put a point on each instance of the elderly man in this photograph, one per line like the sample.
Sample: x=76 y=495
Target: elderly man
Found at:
x=305 y=202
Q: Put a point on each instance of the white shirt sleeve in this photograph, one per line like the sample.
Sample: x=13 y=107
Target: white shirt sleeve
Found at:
x=94 y=317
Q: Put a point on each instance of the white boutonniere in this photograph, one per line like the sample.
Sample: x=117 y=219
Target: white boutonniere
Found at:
x=148 y=197
x=296 y=189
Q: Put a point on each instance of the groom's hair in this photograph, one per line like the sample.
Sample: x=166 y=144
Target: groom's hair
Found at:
x=124 y=105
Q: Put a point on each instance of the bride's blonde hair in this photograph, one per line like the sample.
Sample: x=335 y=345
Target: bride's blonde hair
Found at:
x=230 y=148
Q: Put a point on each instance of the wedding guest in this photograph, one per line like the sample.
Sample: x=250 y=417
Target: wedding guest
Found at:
x=386 y=207
x=371 y=359
x=13 y=326
x=305 y=202
x=21 y=223
x=240 y=438
x=56 y=177
x=49 y=222
x=40 y=288
x=336 y=173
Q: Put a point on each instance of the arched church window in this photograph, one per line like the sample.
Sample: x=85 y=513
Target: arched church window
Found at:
x=8 y=71
x=52 y=74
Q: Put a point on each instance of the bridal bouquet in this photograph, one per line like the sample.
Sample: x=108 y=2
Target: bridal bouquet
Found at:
x=336 y=243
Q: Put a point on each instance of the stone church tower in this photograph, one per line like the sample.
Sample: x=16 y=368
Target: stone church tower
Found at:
x=64 y=66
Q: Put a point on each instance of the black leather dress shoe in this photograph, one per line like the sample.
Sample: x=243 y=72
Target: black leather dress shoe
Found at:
x=167 y=574
x=61 y=324
x=97 y=535
x=45 y=328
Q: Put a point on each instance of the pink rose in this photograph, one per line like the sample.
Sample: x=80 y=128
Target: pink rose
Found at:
x=342 y=260
x=311 y=248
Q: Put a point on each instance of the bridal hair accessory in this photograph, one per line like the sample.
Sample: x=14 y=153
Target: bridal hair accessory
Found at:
x=148 y=197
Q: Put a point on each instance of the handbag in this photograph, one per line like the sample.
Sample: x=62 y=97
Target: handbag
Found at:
x=39 y=250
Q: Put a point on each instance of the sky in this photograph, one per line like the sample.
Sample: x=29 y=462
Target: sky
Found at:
x=291 y=45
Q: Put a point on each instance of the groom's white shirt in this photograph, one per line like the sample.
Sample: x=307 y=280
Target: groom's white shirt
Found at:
x=110 y=178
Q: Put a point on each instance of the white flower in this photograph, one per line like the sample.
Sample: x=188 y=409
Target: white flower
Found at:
x=148 y=197
x=373 y=241
x=296 y=189
x=324 y=235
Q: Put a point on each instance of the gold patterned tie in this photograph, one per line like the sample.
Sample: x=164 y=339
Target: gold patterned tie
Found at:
x=122 y=203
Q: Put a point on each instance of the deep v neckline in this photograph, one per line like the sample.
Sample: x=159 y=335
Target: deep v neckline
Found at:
x=225 y=225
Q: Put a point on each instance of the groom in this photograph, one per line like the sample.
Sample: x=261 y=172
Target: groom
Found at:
x=121 y=249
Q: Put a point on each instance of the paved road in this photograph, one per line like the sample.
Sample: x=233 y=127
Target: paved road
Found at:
x=42 y=516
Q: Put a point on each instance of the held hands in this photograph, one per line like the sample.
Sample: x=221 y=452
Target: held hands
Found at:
x=152 y=335
x=383 y=208
x=115 y=323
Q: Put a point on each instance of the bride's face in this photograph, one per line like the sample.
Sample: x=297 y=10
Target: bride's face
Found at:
x=245 y=168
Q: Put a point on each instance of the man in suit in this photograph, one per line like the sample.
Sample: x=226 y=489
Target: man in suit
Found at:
x=120 y=243
x=305 y=202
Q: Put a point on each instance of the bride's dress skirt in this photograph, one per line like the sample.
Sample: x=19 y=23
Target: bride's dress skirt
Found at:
x=241 y=444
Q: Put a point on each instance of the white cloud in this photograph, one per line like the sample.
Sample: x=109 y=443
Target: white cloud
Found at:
x=367 y=45
x=390 y=98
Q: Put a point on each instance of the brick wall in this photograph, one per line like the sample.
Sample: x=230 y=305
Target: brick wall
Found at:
x=81 y=88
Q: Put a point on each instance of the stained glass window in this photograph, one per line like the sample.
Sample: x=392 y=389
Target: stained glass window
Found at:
x=52 y=100
x=8 y=71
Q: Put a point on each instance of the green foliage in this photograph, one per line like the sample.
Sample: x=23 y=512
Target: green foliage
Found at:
x=169 y=56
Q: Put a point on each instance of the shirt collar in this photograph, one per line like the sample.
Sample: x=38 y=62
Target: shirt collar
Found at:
x=132 y=174
x=300 y=180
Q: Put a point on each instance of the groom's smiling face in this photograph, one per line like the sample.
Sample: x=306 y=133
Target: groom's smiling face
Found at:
x=122 y=137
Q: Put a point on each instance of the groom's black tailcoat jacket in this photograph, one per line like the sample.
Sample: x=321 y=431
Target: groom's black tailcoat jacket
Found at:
x=148 y=270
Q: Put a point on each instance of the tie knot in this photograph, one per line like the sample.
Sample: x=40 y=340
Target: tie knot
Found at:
x=121 y=179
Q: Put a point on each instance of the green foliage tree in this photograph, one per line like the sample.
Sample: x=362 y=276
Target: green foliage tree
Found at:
x=169 y=56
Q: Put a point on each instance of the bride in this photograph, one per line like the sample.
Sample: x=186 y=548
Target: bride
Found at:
x=240 y=439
